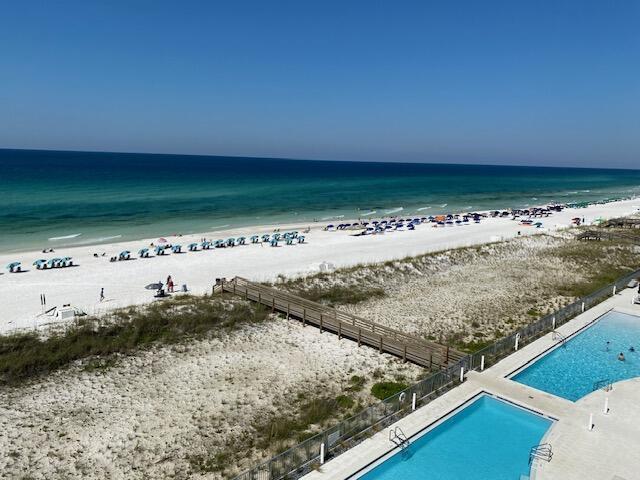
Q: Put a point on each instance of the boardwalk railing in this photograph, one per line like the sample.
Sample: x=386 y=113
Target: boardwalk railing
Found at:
x=413 y=349
x=301 y=458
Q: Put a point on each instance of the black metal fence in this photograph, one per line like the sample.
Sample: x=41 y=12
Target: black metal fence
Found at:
x=305 y=456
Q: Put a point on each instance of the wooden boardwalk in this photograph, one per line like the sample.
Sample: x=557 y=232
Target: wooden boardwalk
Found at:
x=427 y=354
x=608 y=235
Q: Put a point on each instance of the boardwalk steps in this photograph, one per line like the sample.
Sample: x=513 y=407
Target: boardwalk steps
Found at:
x=416 y=350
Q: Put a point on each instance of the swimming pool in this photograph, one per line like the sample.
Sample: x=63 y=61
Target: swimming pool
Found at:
x=571 y=371
x=488 y=439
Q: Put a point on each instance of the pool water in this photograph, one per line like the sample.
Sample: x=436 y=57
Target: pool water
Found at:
x=489 y=439
x=572 y=370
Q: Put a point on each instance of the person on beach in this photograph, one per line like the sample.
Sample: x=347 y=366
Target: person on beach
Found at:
x=102 y=294
x=169 y=284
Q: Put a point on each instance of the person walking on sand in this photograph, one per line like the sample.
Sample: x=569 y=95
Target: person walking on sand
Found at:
x=102 y=294
x=169 y=284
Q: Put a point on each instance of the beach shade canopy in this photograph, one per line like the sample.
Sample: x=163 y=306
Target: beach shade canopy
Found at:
x=154 y=286
x=162 y=240
x=13 y=265
x=193 y=245
x=124 y=253
x=142 y=251
x=39 y=262
x=159 y=249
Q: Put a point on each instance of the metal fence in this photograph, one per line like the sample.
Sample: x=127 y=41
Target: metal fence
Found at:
x=305 y=456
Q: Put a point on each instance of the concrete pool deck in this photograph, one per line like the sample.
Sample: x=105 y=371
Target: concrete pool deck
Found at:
x=611 y=450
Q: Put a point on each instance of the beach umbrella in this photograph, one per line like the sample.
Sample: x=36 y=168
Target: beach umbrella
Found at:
x=154 y=286
x=162 y=240
x=13 y=265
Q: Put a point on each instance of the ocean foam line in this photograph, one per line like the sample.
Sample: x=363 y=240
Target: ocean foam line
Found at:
x=422 y=208
x=64 y=237
x=368 y=213
x=394 y=210
x=89 y=241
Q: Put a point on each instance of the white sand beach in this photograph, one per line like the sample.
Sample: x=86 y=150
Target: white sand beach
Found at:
x=124 y=281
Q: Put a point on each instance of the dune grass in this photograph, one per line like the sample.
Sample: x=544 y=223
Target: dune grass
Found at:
x=28 y=355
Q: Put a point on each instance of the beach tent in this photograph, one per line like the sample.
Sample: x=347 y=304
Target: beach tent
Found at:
x=54 y=262
x=40 y=264
x=14 y=267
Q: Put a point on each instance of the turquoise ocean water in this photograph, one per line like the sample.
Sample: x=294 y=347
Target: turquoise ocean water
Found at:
x=52 y=198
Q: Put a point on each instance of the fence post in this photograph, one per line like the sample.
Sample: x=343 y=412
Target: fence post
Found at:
x=553 y=323
x=590 y=421
x=322 y=453
x=614 y=291
x=413 y=401
x=461 y=374
x=517 y=341
x=582 y=307
x=288 y=310
x=482 y=363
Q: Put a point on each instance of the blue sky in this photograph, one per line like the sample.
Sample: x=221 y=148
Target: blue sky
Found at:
x=539 y=82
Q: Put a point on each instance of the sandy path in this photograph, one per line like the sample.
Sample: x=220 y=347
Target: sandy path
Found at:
x=124 y=281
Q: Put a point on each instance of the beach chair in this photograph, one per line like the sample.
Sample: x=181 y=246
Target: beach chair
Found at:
x=193 y=247
x=144 y=253
x=176 y=248
x=14 y=267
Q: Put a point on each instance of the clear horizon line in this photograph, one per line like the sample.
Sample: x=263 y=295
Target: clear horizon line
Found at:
x=275 y=157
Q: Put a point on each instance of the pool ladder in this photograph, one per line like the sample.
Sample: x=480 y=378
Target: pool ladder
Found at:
x=397 y=437
x=555 y=335
x=542 y=451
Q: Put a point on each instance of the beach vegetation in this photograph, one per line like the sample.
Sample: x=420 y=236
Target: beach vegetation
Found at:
x=27 y=355
x=383 y=390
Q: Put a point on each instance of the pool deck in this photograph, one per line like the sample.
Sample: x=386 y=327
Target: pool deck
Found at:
x=611 y=450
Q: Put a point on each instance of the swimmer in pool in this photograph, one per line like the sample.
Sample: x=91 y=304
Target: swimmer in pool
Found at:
x=621 y=357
